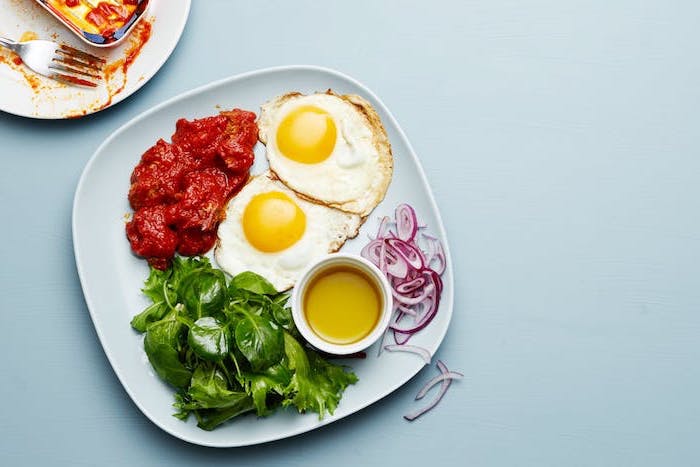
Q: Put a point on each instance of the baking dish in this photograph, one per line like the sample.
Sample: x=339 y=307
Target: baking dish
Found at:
x=101 y=23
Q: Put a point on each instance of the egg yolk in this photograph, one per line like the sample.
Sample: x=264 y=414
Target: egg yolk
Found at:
x=273 y=222
x=307 y=135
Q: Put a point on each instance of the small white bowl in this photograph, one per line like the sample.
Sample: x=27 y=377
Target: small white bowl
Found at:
x=334 y=260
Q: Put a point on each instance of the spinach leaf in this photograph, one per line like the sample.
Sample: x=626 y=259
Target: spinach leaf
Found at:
x=203 y=292
x=162 y=344
x=252 y=282
x=260 y=340
x=283 y=315
x=209 y=339
x=317 y=385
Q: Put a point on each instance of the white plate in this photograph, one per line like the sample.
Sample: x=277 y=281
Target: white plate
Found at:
x=112 y=277
x=25 y=93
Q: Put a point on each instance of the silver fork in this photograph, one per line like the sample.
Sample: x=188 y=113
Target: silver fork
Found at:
x=58 y=61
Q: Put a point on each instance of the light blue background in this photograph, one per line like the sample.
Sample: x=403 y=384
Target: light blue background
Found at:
x=561 y=141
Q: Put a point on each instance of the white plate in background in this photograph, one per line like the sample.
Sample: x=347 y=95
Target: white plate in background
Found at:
x=112 y=277
x=22 y=92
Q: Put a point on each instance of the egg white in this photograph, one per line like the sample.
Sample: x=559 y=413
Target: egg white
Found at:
x=356 y=175
x=326 y=231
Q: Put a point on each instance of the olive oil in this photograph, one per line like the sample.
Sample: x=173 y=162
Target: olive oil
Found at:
x=342 y=304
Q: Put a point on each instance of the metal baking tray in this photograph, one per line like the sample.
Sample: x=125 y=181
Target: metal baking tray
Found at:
x=101 y=23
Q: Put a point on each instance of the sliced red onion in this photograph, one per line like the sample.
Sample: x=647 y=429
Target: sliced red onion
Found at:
x=431 y=303
x=387 y=261
x=413 y=271
x=391 y=263
x=429 y=250
x=410 y=286
x=443 y=389
x=406 y=222
x=420 y=351
x=405 y=310
x=409 y=252
x=401 y=337
x=384 y=225
x=435 y=253
x=437 y=280
x=427 y=290
x=372 y=251
x=439 y=378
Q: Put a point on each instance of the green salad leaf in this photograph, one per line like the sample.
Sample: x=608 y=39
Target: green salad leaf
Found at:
x=163 y=344
x=267 y=387
x=258 y=338
x=317 y=385
x=229 y=346
x=203 y=292
x=252 y=283
x=209 y=339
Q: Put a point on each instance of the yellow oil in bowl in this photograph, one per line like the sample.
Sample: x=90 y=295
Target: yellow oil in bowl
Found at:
x=342 y=304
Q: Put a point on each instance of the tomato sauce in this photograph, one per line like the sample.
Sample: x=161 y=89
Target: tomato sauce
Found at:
x=179 y=190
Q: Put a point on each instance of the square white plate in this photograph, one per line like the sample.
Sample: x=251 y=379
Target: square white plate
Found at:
x=112 y=277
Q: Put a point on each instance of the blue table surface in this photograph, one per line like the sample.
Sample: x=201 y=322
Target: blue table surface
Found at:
x=560 y=139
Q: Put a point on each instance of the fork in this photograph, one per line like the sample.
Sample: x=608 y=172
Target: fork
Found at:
x=58 y=61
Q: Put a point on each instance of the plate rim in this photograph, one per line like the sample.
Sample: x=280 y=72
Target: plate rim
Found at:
x=119 y=97
x=447 y=301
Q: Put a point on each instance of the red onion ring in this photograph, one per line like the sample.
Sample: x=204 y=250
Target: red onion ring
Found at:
x=439 y=378
x=410 y=253
x=410 y=285
x=446 y=382
x=405 y=310
x=406 y=222
x=422 y=322
x=421 y=351
x=387 y=261
x=383 y=227
x=435 y=253
x=427 y=290
x=401 y=337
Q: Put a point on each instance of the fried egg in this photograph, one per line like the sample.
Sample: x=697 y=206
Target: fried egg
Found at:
x=271 y=231
x=329 y=148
